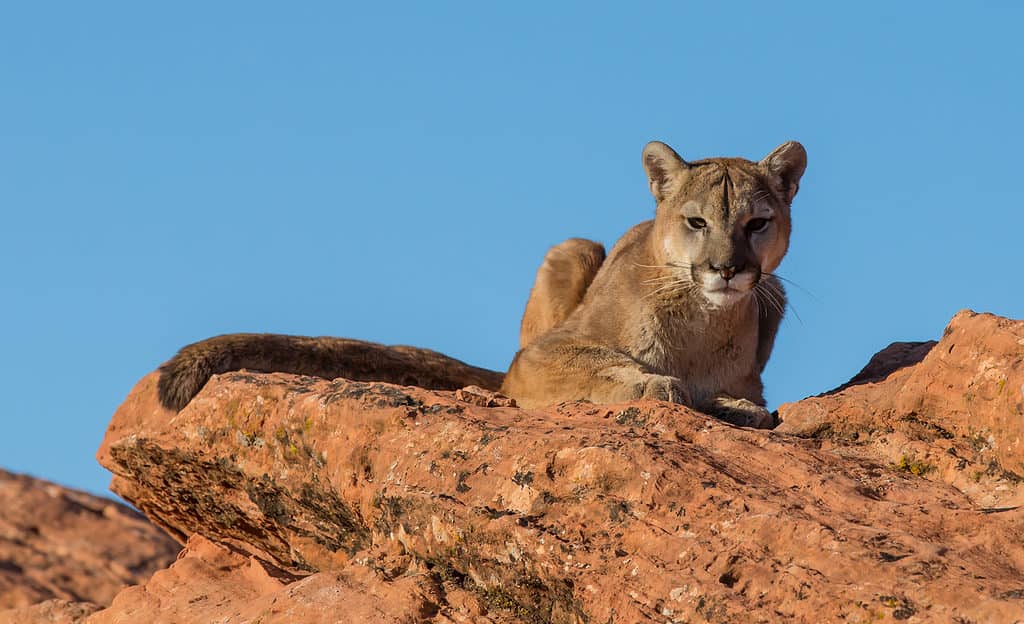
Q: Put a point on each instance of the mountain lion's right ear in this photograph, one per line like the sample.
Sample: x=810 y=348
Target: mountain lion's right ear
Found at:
x=787 y=161
x=663 y=167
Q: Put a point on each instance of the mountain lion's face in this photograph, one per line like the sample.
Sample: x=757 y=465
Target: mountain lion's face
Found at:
x=723 y=223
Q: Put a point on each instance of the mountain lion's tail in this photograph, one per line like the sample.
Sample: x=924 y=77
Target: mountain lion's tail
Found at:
x=184 y=375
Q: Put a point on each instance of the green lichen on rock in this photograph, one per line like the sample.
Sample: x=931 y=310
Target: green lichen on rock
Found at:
x=914 y=466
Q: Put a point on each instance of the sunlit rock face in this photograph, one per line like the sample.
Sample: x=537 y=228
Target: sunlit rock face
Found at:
x=307 y=500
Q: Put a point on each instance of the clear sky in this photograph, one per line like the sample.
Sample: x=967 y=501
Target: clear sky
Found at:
x=395 y=172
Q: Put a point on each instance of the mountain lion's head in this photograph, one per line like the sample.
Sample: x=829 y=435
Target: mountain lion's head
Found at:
x=722 y=223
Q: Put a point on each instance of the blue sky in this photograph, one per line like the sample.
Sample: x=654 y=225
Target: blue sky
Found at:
x=395 y=172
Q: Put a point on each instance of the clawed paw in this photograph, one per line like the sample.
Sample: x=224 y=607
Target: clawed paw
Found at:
x=665 y=388
x=741 y=412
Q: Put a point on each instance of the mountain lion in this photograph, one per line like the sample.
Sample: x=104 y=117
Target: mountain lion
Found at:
x=685 y=308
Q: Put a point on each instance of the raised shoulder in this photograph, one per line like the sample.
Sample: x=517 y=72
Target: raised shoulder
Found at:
x=634 y=236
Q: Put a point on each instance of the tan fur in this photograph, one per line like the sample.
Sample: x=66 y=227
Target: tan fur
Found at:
x=652 y=323
x=651 y=320
x=562 y=280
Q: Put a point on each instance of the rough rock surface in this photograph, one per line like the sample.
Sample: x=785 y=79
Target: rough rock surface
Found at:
x=53 y=611
x=213 y=583
x=423 y=507
x=65 y=545
x=950 y=411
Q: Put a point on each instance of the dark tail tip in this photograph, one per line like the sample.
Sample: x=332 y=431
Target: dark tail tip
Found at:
x=177 y=385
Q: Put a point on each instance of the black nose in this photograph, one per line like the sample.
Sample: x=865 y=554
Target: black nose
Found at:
x=727 y=272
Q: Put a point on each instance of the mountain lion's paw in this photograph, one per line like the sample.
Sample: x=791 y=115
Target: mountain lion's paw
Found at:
x=665 y=388
x=741 y=412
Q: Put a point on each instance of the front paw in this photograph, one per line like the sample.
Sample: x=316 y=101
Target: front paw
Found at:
x=665 y=388
x=740 y=412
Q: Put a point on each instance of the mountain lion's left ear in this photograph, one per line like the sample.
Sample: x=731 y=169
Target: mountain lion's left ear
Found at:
x=787 y=161
x=663 y=168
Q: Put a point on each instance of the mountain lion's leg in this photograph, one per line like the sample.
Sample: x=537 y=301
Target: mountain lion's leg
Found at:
x=562 y=280
x=743 y=405
x=184 y=375
x=558 y=368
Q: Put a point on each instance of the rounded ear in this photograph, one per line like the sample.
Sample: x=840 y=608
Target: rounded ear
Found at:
x=662 y=165
x=787 y=161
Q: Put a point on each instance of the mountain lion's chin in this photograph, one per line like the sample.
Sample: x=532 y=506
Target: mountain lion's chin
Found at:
x=725 y=297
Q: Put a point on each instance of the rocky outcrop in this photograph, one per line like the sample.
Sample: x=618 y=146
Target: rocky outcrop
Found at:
x=951 y=411
x=53 y=611
x=214 y=583
x=65 y=553
x=894 y=497
x=67 y=546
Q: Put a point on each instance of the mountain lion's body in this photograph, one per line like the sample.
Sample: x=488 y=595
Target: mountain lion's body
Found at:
x=684 y=308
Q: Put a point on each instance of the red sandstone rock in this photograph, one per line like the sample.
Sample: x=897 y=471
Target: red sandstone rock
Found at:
x=889 y=360
x=57 y=543
x=212 y=583
x=950 y=411
x=53 y=611
x=643 y=512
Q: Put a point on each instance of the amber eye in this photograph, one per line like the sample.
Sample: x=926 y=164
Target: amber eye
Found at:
x=757 y=225
x=696 y=223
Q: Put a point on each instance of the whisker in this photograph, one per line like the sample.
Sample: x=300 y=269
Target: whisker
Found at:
x=789 y=281
x=672 y=284
x=796 y=313
x=770 y=298
x=771 y=303
x=666 y=287
x=670 y=265
x=777 y=297
x=664 y=277
x=677 y=286
x=769 y=306
x=663 y=282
